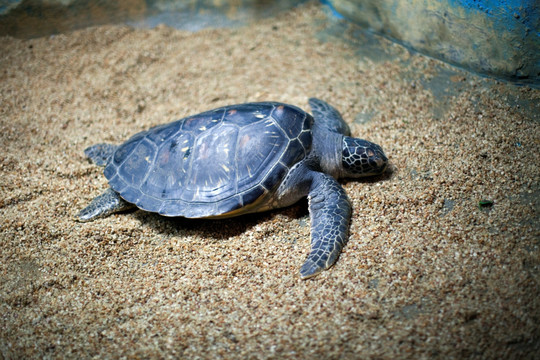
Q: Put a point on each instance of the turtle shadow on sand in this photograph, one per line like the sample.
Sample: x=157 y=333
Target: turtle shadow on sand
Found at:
x=216 y=229
x=388 y=174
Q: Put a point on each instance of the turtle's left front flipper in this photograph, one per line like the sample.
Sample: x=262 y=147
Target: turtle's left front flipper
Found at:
x=330 y=213
x=328 y=117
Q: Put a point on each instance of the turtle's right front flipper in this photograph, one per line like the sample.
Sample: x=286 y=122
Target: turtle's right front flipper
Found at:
x=105 y=204
x=330 y=212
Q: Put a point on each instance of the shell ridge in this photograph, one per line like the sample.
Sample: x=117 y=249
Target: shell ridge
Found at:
x=140 y=142
x=188 y=173
x=237 y=159
x=118 y=165
x=152 y=163
x=189 y=169
x=264 y=159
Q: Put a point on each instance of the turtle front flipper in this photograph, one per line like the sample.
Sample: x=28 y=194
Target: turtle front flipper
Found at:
x=105 y=204
x=328 y=117
x=330 y=213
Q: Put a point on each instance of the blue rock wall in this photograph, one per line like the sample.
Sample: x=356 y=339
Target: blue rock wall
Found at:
x=500 y=38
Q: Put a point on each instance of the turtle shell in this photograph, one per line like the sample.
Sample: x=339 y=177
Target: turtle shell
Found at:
x=221 y=162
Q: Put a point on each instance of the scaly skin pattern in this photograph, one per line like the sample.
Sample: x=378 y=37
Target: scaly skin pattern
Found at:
x=356 y=155
x=330 y=212
x=105 y=204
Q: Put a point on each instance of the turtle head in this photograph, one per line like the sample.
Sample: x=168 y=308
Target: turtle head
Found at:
x=362 y=158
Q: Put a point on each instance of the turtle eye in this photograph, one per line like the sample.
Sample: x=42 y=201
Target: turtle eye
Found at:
x=362 y=158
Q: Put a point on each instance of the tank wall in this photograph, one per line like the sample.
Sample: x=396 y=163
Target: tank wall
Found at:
x=492 y=37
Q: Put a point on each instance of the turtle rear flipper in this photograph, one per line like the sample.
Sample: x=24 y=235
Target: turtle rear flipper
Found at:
x=100 y=154
x=105 y=204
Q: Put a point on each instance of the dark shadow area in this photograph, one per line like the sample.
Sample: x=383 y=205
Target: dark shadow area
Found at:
x=217 y=229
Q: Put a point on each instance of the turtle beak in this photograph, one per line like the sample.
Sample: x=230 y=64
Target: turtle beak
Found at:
x=377 y=159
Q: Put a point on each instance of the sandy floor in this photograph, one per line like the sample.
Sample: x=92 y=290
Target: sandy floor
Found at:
x=427 y=272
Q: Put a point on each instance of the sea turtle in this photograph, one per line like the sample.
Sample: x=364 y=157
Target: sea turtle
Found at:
x=241 y=159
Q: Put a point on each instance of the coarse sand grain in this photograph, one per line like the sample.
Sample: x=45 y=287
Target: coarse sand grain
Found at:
x=431 y=270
